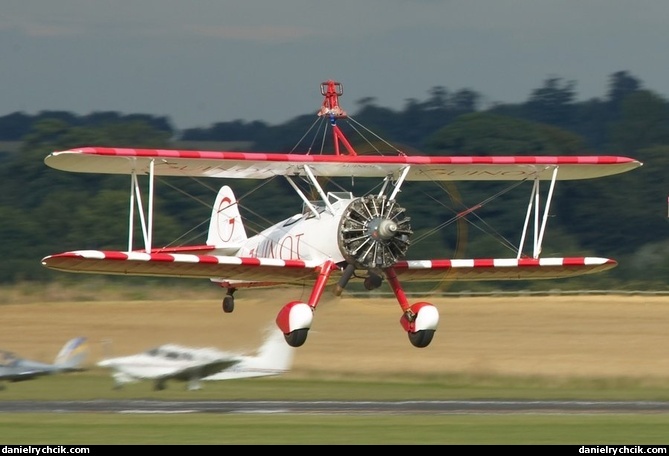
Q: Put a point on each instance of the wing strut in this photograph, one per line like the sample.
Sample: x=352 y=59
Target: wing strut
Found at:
x=131 y=211
x=534 y=204
x=303 y=197
x=318 y=188
x=136 y=196
x=397 y=185
x=399 y=182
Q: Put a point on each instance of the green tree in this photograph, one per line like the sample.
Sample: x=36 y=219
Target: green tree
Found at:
x=553 y=103
x=490 y=134
x=50 y=210
x=498 y=219
x=643 y=122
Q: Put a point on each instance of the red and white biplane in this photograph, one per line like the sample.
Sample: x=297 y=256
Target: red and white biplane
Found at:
x=338 y=238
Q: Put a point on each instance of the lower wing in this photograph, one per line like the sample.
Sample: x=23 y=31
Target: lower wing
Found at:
x=17 y=376
x=265 y=270
x=205 y=369
x=500 y=268
x=269 y=271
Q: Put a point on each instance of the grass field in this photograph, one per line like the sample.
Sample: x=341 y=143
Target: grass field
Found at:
x=575 y=347
x=207 y=429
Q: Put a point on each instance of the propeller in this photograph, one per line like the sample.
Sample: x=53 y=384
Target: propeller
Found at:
x=374 y=232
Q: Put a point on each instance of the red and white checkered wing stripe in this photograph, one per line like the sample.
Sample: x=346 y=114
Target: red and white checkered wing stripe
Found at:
x=184 y=265
x=501 y=268
x=271 y=270
x=253 y=165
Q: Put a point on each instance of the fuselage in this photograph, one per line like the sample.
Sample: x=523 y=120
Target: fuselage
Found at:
x=163 y=361
x=144 y=366
x=304 y=236
x=24 y=370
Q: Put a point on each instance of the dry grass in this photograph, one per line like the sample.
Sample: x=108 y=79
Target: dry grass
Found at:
x=559 y=337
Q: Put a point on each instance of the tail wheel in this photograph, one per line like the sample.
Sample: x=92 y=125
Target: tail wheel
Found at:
x=422 y=338
x=374 y=232
x=228 y=304
x=297 y=337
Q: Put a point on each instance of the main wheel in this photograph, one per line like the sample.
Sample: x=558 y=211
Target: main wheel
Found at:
x=297 y=337
x=422 y=338
x=372 y=282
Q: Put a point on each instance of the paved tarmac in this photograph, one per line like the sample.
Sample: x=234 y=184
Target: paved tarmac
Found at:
x=336 y=407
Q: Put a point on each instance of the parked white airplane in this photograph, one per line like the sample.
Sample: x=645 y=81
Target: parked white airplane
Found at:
x=192 y=365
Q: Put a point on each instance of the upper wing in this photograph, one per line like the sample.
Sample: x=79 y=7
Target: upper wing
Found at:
x=249 y=165
x=273 y=271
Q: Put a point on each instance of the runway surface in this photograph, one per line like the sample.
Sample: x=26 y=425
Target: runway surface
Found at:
x=335 y=407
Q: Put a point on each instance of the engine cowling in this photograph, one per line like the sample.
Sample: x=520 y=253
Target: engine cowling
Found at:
x=374 y=232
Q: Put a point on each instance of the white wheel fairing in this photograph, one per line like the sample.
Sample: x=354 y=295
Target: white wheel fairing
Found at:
x=294 y=315
x=301 y=316
x=427 y=318
x=420 y=322
x=421 y=316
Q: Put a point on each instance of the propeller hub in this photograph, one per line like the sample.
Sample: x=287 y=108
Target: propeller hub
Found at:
x=382 y=229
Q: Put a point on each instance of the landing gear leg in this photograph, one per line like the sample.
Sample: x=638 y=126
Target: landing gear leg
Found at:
x=295 y=318
x=419 y=320
x=229 y=301
x=397 y=289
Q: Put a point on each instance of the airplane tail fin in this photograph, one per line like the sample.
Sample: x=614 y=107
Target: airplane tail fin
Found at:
x=226 y=229
x=73 y=354
x=274 y=357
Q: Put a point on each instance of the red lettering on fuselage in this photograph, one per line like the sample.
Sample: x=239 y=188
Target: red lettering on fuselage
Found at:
x=286 y=242
x=285 y=248
x=266 y=249
x=298 y=238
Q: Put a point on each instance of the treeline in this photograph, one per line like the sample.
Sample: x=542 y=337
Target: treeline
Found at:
x=624 y=217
